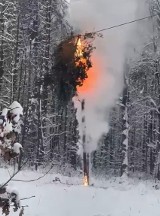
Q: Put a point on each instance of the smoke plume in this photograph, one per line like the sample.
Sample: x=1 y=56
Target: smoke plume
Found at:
x=108 y=59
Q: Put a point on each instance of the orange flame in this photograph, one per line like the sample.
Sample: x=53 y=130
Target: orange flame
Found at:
x=90 y=83
x=85 y=181
x=79 y=54
x=79 y=51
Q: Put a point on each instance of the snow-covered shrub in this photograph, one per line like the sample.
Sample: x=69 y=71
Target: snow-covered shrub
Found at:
x=9 y=148
x=9 y=128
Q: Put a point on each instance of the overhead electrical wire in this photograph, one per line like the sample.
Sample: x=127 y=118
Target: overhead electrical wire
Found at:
x=117 y=25
x=122 y=24
x=126 y=23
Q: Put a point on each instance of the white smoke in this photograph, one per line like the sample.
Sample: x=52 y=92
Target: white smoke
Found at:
x=90 y=15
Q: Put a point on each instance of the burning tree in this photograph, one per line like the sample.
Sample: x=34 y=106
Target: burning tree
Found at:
x=9 y=149
x=72 y=60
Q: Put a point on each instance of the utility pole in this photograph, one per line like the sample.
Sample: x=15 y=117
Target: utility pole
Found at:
x=84 y=141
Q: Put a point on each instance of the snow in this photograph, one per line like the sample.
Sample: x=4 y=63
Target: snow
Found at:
x=8 y=127
x=4 y=112
x=113 y=198
x=17 y=147
x=16 y=110
x=1 y=121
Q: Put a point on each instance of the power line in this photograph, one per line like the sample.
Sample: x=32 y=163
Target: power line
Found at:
x=123 y=24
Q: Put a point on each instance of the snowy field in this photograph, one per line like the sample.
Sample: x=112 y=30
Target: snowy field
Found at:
x=113 y=198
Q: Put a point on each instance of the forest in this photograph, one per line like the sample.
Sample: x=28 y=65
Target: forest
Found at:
x=30 y=32
x=44 y=61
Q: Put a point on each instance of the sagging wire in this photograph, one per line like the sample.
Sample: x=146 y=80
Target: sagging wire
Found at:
x=125 y=23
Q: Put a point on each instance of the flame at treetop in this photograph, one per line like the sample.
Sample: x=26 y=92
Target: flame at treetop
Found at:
x=82 y=54
x=71 y=68
x=89 y=83
x=79 y=50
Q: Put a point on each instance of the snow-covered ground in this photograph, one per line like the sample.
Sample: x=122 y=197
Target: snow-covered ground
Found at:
x=114 y=198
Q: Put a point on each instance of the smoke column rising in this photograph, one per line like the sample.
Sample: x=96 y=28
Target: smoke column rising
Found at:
x=108 y=59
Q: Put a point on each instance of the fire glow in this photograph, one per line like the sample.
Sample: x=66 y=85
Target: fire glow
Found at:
x=85 y=180
x=80 y=60
x=79 y=50
x=89 y=84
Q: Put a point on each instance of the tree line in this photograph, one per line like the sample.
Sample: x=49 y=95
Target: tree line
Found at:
x=30 y=31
